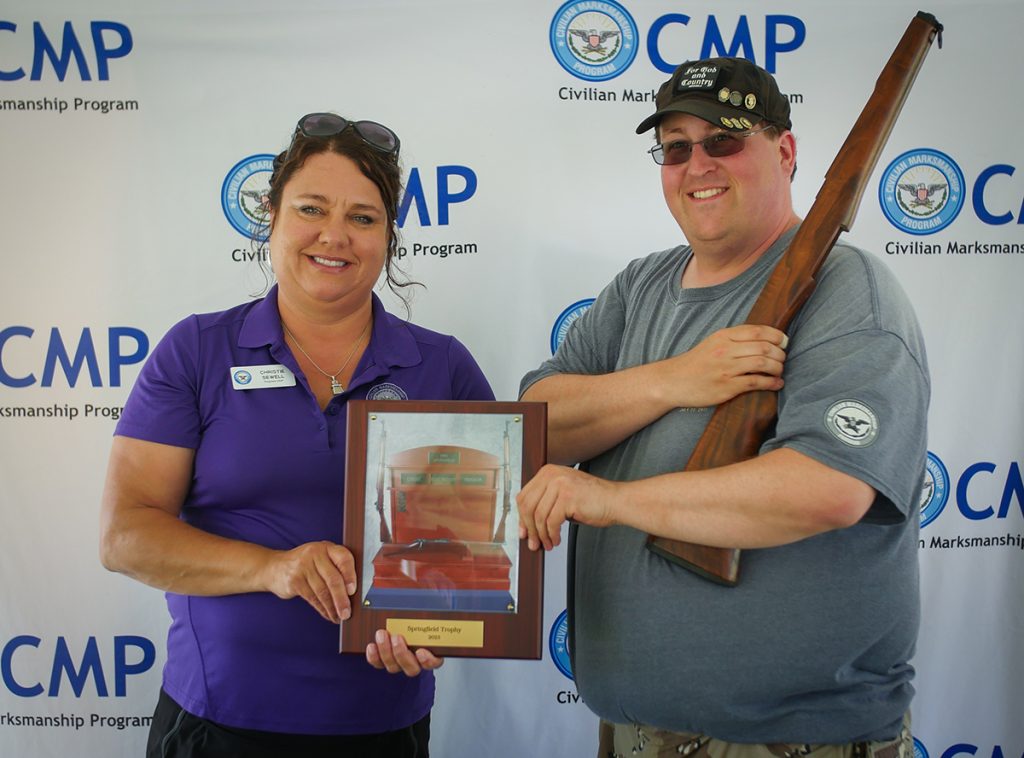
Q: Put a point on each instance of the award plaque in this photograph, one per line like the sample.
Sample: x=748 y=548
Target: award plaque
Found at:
x=430 y=518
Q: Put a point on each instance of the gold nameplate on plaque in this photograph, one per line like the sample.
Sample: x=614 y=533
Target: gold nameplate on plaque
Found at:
x=438 y=632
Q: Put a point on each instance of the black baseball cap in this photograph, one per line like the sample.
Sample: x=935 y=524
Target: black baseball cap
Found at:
x=732 y=93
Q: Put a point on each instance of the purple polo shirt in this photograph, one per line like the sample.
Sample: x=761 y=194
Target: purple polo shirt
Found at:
x=270 y=469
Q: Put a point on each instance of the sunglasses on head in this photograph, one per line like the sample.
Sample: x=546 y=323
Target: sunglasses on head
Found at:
x=717 y=145
x=328 y=124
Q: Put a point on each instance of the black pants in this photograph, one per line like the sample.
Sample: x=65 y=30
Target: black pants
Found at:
x=176 y=733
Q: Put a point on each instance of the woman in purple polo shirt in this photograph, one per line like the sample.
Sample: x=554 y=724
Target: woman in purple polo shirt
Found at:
x=227 y=469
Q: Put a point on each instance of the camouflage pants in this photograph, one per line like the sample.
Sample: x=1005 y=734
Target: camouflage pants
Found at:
x=638 y=741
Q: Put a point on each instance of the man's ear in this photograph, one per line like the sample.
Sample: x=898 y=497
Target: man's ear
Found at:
x=787 y=153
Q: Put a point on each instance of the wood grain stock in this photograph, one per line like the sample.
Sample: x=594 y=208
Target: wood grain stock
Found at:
x=738 y=427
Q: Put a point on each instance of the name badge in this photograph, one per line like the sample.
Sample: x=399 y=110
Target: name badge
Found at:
x=261 y=377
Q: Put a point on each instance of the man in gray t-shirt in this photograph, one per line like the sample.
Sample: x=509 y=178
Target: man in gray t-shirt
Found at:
x=812 y=646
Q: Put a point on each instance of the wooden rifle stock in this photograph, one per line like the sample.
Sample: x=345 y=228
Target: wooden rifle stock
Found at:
x=738 y=427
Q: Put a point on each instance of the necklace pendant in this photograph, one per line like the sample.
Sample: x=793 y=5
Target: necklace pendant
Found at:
x=336 y=387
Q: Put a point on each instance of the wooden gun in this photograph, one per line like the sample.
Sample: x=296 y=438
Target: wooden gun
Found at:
x=385 y=535
x=738 y=427
x=499 y=533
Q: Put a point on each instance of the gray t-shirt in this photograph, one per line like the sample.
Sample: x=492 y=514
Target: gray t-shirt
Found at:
x=813 y=644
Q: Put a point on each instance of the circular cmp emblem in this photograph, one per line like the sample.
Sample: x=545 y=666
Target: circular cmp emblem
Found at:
x=243 y=194
x=243 y=377
x=934 y=491
x=919 y=749
x=593 y=40
x=852 y=423
x=566 y=319
x=558 y=644
x=922 y=191
x=386 y=391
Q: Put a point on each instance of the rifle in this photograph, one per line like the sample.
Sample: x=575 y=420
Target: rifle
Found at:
x=385 y=535
x=425 y=546
x=499 y=533
x=738 y=427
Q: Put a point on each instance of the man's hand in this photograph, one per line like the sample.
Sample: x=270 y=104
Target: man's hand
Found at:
x=725 y=364
x=557 y=494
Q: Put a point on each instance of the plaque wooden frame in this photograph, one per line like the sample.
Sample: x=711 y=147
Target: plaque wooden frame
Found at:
x=516 y=630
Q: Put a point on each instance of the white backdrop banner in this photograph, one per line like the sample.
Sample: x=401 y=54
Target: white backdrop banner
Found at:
x=136 y=135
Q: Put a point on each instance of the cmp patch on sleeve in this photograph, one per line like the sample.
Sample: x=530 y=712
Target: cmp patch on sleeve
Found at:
x=852 y=422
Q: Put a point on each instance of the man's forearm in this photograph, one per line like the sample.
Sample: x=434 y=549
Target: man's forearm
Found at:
x=773 y=499
x=588 y=415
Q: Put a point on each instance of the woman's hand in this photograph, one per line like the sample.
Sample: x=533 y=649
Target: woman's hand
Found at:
x=321 y=573
x=393 y=654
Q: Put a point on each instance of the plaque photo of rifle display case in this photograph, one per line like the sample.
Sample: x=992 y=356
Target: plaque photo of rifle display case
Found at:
x=430 y=518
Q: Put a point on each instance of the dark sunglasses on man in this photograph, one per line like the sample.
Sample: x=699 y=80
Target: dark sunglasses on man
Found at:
x=718 y=145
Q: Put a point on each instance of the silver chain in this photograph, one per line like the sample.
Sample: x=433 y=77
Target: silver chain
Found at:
x=336 y=386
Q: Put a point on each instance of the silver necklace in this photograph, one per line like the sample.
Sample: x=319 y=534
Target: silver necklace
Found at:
x=336 y=386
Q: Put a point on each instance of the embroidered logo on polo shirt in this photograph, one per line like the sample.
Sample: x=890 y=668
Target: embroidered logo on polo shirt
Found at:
x=386 y=391
x=852 y=423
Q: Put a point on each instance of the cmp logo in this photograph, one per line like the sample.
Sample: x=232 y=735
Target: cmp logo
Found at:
x=852 y=423
x=69 y=353
x=566 y=319
x=922 y=191
x=962 y=748
x=593 y=40
x=26 y=661
x=243 y=194
x=935 y=491
x=558 y=644
x=66 y=49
